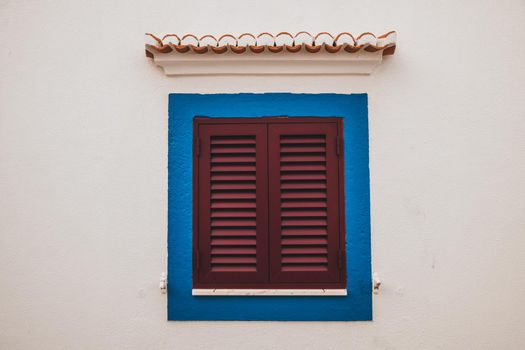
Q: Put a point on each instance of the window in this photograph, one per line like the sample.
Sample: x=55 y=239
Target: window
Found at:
x=183 y=281
x=268 y=203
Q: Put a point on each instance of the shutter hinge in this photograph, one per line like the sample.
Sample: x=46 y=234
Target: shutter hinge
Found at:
x=340 y=258
x=163 y=285
x=198 y=146
x=338 y=146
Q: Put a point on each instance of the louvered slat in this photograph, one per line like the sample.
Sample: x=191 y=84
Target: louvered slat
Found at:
x=233 y=168
x=233 y=251
x=218 y=204
x=303 y=176
x=293 y=212
x=232 y=232
x=304 y=231
x=232 y=159
x=303 y=204
x=229 y=213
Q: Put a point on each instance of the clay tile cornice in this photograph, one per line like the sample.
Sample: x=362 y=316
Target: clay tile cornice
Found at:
x=280 y=42
x=172 y=47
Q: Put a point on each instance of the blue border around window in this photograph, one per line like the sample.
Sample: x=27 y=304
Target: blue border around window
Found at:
x=357 y=305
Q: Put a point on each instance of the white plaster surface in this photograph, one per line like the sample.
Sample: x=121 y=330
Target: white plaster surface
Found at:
x=83 y=172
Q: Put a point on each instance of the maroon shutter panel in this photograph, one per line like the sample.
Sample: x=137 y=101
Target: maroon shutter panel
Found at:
x=304 y=202
x=232 y=231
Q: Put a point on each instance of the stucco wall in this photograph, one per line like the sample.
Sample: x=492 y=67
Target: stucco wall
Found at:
x=83 y=173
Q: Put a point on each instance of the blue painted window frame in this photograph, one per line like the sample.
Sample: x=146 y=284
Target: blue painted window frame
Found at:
x=357 y=305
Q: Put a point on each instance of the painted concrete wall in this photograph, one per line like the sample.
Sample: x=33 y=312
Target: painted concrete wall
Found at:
x=83 y=173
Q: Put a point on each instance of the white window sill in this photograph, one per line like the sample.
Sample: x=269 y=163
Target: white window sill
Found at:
x=269 y=292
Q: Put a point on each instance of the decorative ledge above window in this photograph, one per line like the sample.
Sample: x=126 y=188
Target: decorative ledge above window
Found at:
x=265 y=53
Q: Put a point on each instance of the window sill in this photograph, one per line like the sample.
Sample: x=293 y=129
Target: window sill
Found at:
x=269 y=292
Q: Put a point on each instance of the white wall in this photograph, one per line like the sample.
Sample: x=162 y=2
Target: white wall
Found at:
x=83 y=172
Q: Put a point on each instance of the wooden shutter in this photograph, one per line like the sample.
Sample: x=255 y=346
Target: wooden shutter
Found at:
x=304 y=202
x=232 y=232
